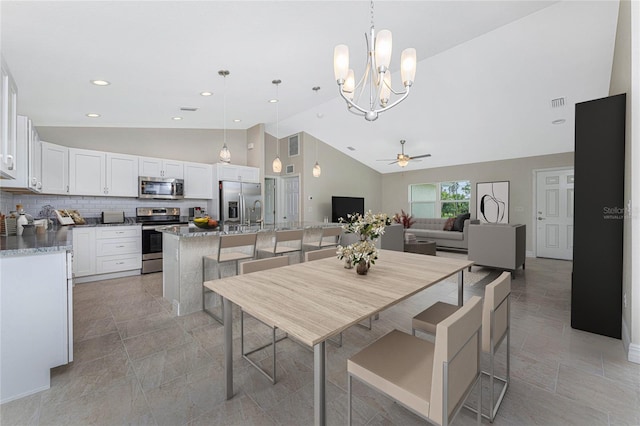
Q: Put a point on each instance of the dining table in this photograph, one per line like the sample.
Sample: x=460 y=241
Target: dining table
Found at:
x=314 y=301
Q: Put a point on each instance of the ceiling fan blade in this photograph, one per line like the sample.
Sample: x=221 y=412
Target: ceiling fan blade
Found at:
x=393 y=162
x=421 y=156
x=387 y=159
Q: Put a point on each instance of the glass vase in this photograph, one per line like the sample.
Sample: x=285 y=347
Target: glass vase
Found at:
x=362 y=268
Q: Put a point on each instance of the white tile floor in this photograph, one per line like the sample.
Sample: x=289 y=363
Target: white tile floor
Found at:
x=137 y=364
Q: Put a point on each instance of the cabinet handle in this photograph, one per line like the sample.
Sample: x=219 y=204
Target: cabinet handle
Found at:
x=67 y=188
x=9 y=161
x=119 y=246
x=119 y=232
x=119 y=263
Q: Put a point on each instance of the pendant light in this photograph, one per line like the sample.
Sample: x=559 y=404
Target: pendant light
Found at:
x=225 y=154
x=277 y=164
x=316 y=168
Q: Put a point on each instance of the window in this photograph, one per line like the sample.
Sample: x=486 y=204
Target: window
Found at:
x=443 y=199
x=294 y=146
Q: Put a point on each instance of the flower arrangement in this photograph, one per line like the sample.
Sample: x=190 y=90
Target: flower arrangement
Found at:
x=370 y=227
x=405 y=219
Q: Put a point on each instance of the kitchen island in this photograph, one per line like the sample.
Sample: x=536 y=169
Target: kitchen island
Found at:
x=36 y=301
x=184 y=247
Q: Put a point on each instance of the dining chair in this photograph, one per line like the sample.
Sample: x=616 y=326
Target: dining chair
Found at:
x=251 y=266
x=286 y=236
x=330 y=237
x=431 y=379
x=495 y=329
x=320 y=254
x=231 y=248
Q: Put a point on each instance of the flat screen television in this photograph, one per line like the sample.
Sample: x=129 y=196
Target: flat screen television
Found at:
x=342 y=206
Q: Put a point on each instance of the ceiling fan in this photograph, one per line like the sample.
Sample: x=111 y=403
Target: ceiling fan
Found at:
x=403 y=159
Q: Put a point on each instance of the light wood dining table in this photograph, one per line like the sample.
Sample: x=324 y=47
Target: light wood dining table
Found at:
x=313 y=301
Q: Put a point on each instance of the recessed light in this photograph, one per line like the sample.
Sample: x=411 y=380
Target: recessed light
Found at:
x=273 y=101
x=559 y=121
x=236 y=120
x=176 y=118
x=100 y=82
x=93 y=115
x=206 y=93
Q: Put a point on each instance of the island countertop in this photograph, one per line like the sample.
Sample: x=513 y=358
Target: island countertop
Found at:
x=51 y=241
x=189 y=231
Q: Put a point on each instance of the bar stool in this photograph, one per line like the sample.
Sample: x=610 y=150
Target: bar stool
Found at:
x=330 y=237
x=231 y=248
x=286 y=236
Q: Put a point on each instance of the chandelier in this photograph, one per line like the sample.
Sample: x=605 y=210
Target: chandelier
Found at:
x=277 y=164
x=377 y=75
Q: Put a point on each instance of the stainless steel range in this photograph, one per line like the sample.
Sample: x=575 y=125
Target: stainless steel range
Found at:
x=153 y=218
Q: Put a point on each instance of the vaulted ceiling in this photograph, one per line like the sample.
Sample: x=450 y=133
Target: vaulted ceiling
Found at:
x=487 y=70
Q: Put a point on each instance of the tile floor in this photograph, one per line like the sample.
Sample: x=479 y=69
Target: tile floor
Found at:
x=137 y=364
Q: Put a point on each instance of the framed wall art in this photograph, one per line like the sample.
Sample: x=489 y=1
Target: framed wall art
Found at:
x=492 y=202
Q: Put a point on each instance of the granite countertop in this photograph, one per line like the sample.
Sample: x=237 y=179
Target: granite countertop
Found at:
x=191 y=230
x=51 y=241
x=96 y=221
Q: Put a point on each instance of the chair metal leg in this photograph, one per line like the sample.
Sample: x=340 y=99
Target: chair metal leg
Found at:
x=349 y=399
x=273 y=342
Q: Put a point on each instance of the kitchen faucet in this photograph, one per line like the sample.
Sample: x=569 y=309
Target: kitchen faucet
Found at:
x=253 y=209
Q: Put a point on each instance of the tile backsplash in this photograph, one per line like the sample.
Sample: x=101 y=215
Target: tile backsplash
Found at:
x=91 y=206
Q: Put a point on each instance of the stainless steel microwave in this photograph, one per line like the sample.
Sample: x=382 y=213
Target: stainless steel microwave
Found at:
x=160 y=188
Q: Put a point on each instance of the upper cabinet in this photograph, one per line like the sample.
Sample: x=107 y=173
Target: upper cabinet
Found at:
x=8 y=123
x=55 y=168
x=158 y=167
x=232 y=172
x=198 y=181
x=27 y=160
x=102 y=173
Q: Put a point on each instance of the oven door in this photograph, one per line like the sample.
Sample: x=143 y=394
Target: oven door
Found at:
x=151 y=249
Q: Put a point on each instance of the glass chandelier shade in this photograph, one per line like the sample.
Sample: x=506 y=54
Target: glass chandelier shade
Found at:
x=317 y=170
x=225 y=154
x=276 y=165
x=376 y=80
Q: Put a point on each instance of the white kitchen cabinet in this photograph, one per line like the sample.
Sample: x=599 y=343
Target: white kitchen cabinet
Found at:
x=122 y=175
x=102 y=173
x=28 y=160
x=118 y=248
x=158 y=167
x=35 y=161
x=198 y=181
x=36 y=321
x=84 y=251
x=8 y=123
x=87 y=172
x=55 y=168
x=232 y=172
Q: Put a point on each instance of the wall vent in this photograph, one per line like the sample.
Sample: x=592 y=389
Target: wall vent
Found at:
x=190 y=109
x=557 y=102
x=350 y=148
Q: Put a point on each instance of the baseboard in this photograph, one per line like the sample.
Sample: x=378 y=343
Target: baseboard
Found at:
x=633 y=350
x=99 y=277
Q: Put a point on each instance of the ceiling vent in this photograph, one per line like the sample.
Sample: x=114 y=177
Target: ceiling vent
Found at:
x=189 y=109
x=557 y=102
x=350 y=148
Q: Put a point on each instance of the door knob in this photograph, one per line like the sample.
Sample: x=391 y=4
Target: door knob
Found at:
x=541 y=218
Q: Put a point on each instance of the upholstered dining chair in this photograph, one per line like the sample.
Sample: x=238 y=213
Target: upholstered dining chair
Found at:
x=495 y=330
x=231 y=248
x=286 y=236
x=257 y=266
x=432 y=380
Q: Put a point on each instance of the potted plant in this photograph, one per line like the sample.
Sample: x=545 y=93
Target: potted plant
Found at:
x=403 y=218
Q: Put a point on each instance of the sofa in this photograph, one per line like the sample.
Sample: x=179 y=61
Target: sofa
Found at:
x=432 y=229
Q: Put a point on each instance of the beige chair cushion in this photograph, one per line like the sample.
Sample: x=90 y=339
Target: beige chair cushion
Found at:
x=494 y=294
x=453 y=334
x=428 y=319
x=320 y=254
x=400 y=365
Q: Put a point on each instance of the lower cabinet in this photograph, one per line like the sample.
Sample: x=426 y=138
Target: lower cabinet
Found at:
x=106 y=250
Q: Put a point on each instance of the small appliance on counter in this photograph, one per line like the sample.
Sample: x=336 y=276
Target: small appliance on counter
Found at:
x=197 y=212
x=112 y=217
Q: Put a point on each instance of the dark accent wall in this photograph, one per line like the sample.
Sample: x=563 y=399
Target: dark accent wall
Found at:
x=596 y=287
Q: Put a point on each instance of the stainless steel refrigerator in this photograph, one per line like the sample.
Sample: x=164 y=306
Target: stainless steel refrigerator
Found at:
x=240 y=203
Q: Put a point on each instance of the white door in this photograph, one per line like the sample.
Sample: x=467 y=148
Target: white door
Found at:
x=291 y=194
x=554 y=214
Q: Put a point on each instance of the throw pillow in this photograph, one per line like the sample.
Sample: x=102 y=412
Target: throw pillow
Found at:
x=459 y=222
x=448 y=225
